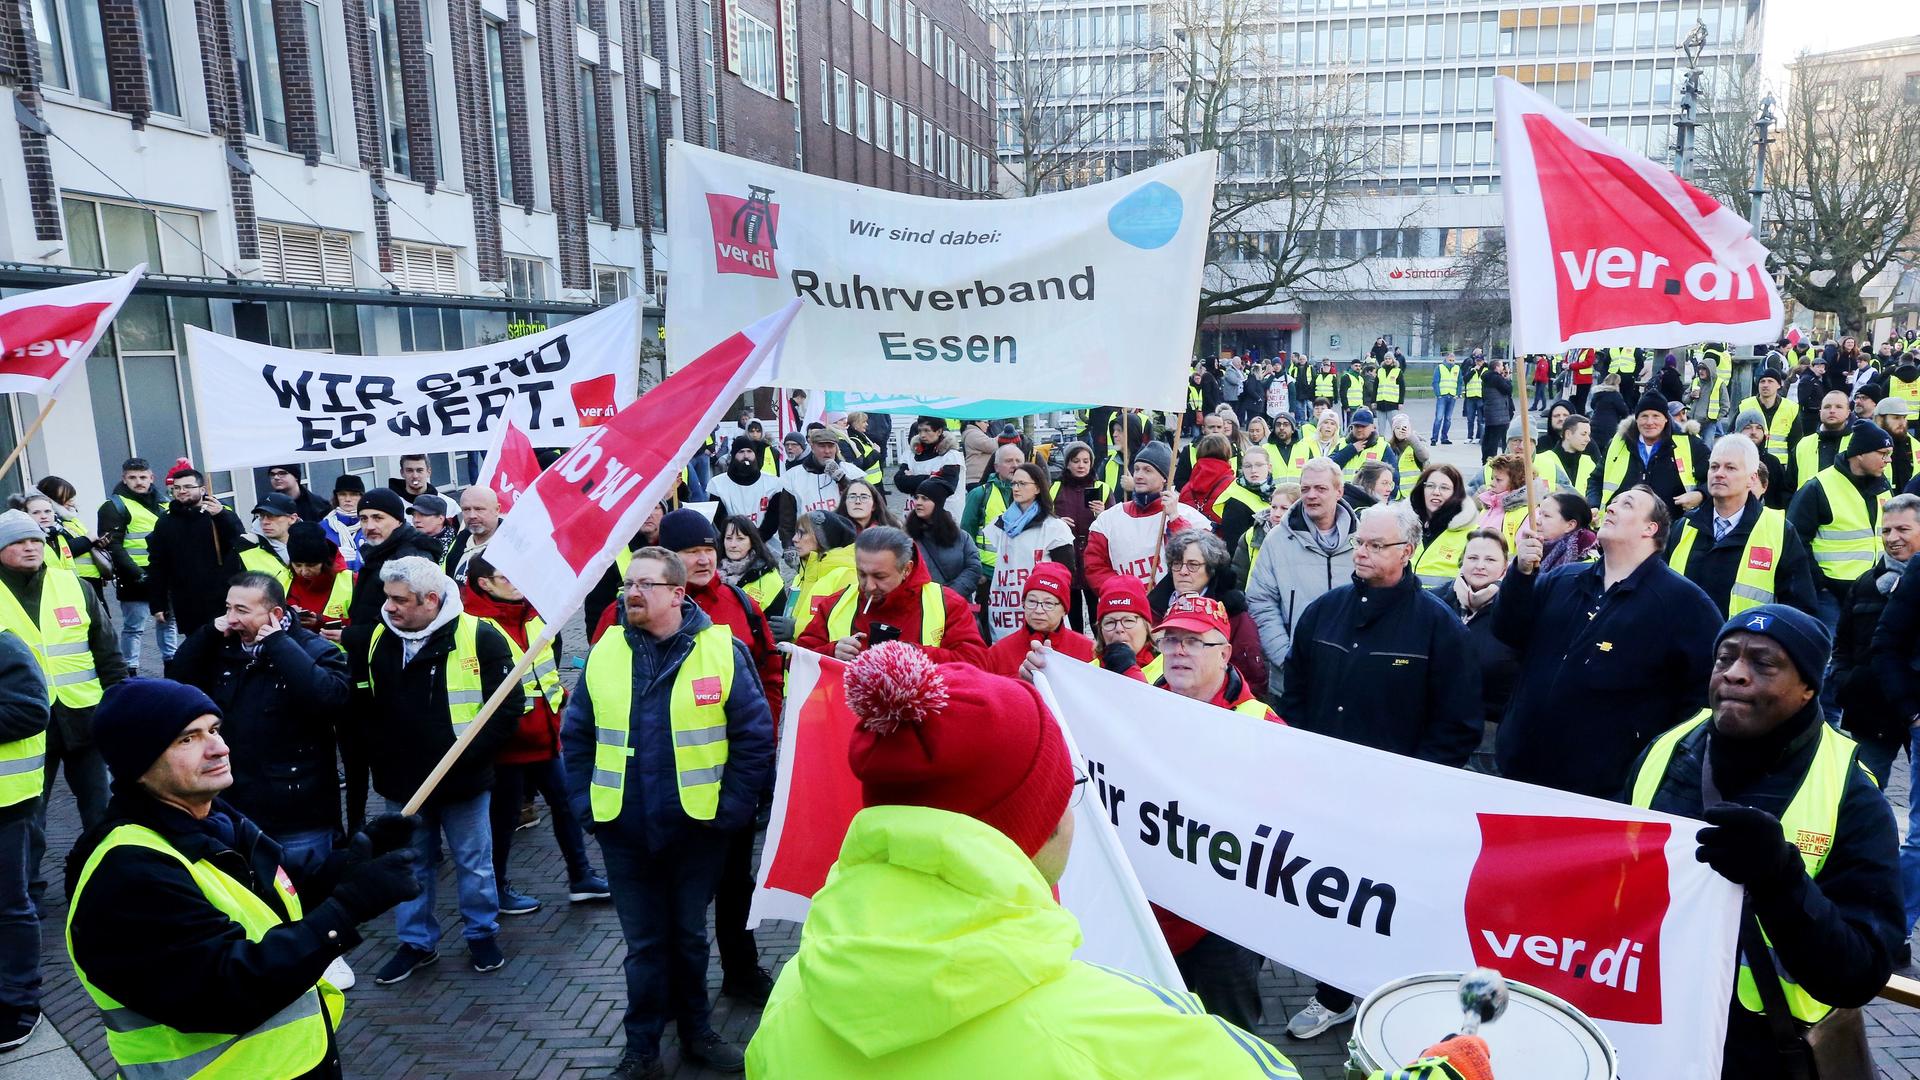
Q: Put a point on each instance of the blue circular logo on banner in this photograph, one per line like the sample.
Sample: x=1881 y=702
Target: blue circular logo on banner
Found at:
x=1147 y=218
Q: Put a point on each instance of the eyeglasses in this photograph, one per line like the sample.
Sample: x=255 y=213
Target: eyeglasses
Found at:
x=1041 y=603
x=1381 y=547
x=1191 y=567
x=1171 y=643
x=643 y=586
x=1022 y=484
x=1114 y=624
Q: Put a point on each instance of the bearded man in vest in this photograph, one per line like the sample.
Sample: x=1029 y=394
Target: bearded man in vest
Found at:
x=62 y=620
x=1737 y=550
x=201 y=941
x=893 y=599
x=420 y=675
x=1794 y=820
x=668 y=747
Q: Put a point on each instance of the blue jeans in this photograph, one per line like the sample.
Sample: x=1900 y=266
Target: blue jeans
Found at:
x=1828 y=607
x=1442 y=418
x=134 y=616
x=299 y=846
x=661 y=898
x=1910 y=847
x=511 y=785
x=1470 y=412
x=470 y=842
x=701 y=470
x=19 y=921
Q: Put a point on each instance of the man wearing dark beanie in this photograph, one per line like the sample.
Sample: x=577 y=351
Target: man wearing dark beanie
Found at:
x=1656 y=453
x=950 y=868
x=192 y=929
x=1794 y=820
x=386 y=534
x=1129 y=538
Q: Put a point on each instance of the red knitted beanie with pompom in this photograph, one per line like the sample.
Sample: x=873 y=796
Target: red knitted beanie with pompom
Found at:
x=956 y=738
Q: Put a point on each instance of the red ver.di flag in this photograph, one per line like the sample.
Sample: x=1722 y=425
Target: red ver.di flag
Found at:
x=1606 y=247
x=511 y=466
x=46 y=334
x=565 y=528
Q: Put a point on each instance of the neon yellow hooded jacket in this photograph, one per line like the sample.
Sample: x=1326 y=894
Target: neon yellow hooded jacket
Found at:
x=936 y=950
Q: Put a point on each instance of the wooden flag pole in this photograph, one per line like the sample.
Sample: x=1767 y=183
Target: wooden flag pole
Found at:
x=534 y=648
x=32 y=429
x=1526 y=439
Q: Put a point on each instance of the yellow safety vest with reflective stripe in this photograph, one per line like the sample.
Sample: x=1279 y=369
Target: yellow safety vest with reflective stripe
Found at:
x=1847 y=544
x=287 y=1044
x=542 y=680
x=464 y=692
x=1324 y=384
x=1376 y=452
x=1111 y=472
x=22 y=768
x=1615 y=472
x=1439 y=561
x=697 y=718
x=1473 y=382
x=1406 y=470
x=1806 y=456
x=58 y=637
x=1752 y=586
x=1388 y=389
x=140 y=522
x=1154 y=667
x=259 y=560
x=1448 y=376
x=1287 y=466
x=59 y=554
x=1194 y=398
x=1780 y=428
x=1583 y=467
x=765 y=589
x=1907 y=390
x=1356 y=389
x=992 y=505
x=876 y=472
x=933 y=614
x=829 y=582
x=340 y=598
x=1237 y=492
x=83 y=565
x=1620 y=361
x=1722 y=362
x=1810 y=821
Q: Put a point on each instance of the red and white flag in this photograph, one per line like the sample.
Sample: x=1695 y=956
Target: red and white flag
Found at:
x=511 y=467
x=1606 y=247
x=566 y=528
x=815 y=796
x=45 y=335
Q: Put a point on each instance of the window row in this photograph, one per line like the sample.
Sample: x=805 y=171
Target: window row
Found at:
x=1082 y=28
x=1427 y=243
x=850 y=105
x=930 y=42
x=1070 y=127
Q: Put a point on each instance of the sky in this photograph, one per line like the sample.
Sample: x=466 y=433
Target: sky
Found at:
x=1791 y=26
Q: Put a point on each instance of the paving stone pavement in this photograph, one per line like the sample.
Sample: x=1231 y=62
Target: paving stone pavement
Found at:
x=554 y=1011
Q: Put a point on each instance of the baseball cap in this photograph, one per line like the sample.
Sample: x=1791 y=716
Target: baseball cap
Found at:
x=277 y=505
x=1196 y=613
x=430 y=503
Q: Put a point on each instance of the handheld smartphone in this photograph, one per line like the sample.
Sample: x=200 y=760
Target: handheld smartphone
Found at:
x=882 y=632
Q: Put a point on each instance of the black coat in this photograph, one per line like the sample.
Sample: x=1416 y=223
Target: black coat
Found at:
x=1662 y=472
x=1389 y=668
x=1607 y=408
x=23 y=704
x=282 y=706
x=130 y=581
x=191 y=556
x=1499 y=664
x=1896 y=645
x=1810 y=509
x=1713 y=566
x=1496 y=398
x=147 y=936
x=1835 y=934
x=1602 y=671
x=1869 y=713
x=369 y=595
x=401 y=726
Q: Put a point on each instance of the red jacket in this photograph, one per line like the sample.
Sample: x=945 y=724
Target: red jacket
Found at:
x=1004 y=657
x=959 y=644
x=537 y=736
x=1582 y=368
x=1209 y=478
x=722 y=603
x=313 y=595
x=1182 y=935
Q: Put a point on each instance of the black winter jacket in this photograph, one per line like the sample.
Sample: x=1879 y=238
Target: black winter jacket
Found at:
x=1602 y=671
x=1499 y=664
x=1713 y=566
x=147 y=936
x=1896 y=645
x=282 y=706
x=1834 y=934
x=23 y=703
x=130 y=581
x=402 y=727
x=369 y=594
x=1496 y=398
x=1810 y=509
x=191 y=556
x=1869 y=712
x=1389 y=668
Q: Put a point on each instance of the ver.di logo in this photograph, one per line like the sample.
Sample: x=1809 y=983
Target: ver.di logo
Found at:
x=745 y=232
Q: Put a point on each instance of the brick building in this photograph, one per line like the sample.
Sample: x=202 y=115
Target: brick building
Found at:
x=382 y=176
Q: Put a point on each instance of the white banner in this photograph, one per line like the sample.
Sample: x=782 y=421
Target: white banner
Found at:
x=259 y=404
x=1358 y=867
x=1084 y=295
x=815 y=796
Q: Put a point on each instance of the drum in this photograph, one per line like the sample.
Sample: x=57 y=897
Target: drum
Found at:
x=1539 y=1037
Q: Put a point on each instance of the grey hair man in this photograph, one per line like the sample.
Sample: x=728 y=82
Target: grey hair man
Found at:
x=1737 y=550
x=421 y=675
x=1308 y=553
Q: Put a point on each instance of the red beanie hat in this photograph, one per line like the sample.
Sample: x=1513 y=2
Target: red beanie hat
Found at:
x=956 y=738
x=1123 y=594
x=179 y=466
x=1051 y=578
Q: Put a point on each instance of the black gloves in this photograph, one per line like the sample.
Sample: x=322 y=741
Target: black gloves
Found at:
x=383 y=833
x=1746 y=846
x=1118 y=657
x=372 y=887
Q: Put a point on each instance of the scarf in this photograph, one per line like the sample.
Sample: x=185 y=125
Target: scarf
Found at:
x=1145 y=502
x=1474 y=601
x=1570 y=548
x=1015 y=520
x=411 y=640
x=1891 y=576
x=733 y=570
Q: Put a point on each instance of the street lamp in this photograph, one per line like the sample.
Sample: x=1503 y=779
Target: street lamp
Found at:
x=1763 y=136
x=1693 y=46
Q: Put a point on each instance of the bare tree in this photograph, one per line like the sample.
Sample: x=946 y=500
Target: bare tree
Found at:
x=1293 y=151
x=1069 y=115
x=1481 y=314
x=1844 y=201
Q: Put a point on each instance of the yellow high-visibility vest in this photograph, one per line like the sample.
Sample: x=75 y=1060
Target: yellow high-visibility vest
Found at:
x=697 y=717
x=1753 y=582
x=1615 y=472
x=57 y=634
x=465 y=694
x=1780 y=428
x=1448 y=376
x=933 y=614
x=1845 y=547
